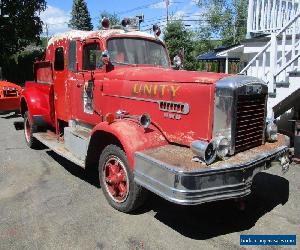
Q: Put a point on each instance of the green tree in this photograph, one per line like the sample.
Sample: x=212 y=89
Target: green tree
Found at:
x=81 y=19
x=19 y=66
x=20 y=25
x=114 y=19
x=225 y=20
x=177 y=38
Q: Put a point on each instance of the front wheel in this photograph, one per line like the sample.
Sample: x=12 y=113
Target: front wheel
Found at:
x=29 y=129
x=117 y=181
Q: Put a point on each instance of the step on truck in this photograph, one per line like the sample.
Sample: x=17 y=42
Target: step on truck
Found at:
x=110 y=101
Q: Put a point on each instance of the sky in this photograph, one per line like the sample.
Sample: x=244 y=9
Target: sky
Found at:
x=57 y=14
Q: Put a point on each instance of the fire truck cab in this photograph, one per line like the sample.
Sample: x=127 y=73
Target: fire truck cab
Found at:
x=110 y=101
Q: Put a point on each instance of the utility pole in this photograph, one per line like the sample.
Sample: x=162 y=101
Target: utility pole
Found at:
x=167 y=9
x=47 y=31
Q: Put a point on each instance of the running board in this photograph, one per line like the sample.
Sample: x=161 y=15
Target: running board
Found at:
x=49 y=139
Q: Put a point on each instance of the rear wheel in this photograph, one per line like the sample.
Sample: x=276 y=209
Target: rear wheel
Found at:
x=29 y=129
x=117 y=181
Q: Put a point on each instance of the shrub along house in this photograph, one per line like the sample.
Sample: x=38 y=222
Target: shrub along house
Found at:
x=212 y=62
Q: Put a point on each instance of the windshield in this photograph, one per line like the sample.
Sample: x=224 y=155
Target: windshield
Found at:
x=137 y=51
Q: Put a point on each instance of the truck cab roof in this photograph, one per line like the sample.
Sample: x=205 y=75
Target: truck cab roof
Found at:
x=100 y=34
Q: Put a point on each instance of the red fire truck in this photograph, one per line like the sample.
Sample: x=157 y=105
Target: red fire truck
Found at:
x=110 y=100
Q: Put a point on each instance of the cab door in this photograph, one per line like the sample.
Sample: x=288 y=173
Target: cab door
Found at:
x=60 y=75
x=85 y=86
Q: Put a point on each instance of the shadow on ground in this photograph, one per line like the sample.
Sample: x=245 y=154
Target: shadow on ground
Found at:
x=19 y=125
x=79 y=172
x=219 y=218
x=211 y=219
x=9 y=115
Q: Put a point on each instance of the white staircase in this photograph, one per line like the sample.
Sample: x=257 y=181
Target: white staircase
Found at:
x=278 y=62
x=269 y=16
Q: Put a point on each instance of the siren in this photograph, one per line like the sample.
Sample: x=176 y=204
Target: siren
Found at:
x=105 y=23
x=125 y=22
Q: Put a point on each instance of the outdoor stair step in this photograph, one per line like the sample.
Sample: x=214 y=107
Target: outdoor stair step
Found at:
x=294 y=73
x=282 y=84
x=272 y=95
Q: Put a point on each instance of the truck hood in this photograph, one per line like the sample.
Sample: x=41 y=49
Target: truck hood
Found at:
x=156 y=74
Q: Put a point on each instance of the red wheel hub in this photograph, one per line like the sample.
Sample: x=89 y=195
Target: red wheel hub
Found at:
x=116 y=179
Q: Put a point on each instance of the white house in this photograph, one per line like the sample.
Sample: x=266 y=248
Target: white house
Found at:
x=272 y=51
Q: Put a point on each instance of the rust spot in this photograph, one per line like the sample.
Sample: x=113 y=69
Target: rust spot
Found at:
x=181 y=157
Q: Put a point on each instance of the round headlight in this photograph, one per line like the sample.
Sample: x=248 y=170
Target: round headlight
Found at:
x=223 y=146
x=145 y=120
x=206 y=151
x=210 y=153
x=271 y=132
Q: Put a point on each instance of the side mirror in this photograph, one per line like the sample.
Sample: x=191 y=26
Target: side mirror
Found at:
x=177 y=62
x=89 y=88
x=105 y=57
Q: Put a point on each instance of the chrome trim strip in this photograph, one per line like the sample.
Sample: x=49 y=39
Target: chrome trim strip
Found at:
x=186 y=108
x=132 y=98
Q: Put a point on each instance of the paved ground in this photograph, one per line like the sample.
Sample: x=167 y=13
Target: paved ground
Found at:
x=49 y=203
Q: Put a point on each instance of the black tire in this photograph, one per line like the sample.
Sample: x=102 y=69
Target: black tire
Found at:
x=135 y=195
x=29 y=129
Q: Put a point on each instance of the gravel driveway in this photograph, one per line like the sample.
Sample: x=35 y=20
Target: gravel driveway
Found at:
x=47 y=202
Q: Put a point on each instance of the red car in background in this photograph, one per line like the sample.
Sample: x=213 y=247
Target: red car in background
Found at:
x=9 y=96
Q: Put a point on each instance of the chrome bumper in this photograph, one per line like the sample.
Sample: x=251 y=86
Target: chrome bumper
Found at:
x=225 y=180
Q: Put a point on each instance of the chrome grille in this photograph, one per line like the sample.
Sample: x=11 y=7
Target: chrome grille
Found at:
x=250 y=121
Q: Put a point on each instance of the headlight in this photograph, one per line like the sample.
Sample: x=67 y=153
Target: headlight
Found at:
x=271 y=131
x=223 y=146
x=206 y=151
x=5 y=88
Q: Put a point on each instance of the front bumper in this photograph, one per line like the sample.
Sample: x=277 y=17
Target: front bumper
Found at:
x=10 y=104
x=169 y=172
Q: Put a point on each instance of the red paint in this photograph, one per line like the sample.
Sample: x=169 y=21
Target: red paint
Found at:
x=116 y=179
x=132 y=136
x=62 y=96
x=10 y=98
x=39 y=99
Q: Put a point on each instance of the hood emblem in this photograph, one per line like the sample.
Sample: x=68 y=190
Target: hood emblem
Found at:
x=155 y=90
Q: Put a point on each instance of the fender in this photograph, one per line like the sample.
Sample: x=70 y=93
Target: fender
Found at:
x=131 y=136
x=39 y=101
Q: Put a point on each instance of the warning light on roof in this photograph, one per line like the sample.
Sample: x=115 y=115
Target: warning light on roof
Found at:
x=125 y=22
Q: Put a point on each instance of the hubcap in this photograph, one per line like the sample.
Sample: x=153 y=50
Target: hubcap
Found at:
x=116 y=179
x=27 y=130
